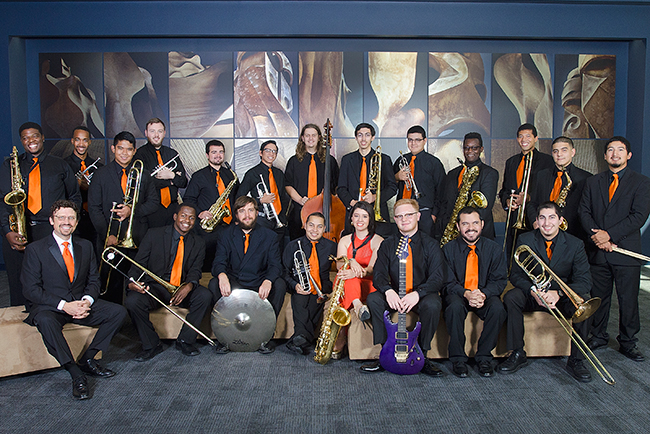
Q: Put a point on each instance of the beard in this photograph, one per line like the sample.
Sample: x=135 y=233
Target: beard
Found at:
x=470 y=236
x=248 y=226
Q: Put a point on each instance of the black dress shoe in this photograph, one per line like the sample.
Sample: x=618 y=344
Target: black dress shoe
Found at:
x=431 y=369
x=632 y=354
x=91 y=367
x=373 y=366
x=291 y=346
x=516 y=360
x=149 y=354
x=221 y=348
x=485 y=368
x=80 y=388
x=577 y=370
x=186 y=348
x=594 y=344
x=265 y=348
x=460 y=369
x=300 y=340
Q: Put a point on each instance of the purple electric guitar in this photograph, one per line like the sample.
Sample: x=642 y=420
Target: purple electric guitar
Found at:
x=401 y=354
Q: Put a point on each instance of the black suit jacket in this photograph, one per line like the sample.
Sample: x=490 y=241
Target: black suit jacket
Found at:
x=622 y=218
x=154 y=253
x=248 y=186
x=324 y=249
x=540 y=161
x=45 y=277
x=147 y=154
x=569 y=262
x=262 y=261
x=429 y=176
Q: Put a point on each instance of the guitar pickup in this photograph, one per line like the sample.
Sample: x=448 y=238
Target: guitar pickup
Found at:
x=401 y=335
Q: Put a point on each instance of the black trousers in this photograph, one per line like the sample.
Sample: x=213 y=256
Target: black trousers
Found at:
x=211 y=239
x=493 y=315
x=306 y=315
x=199 y=301
x=295 y=222
x=517 y=301
x=281 y=233
x=276 y=296
x=428 y=308
x=626 y=280
x=108 y=316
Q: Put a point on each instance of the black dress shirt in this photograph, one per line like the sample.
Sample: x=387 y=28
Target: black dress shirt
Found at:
x=75 y=164
x=147 y=154
x=296 y=174
x=540 y=161
x=492 y=266
x=252 y=178
x=429 y=176
x=202 y=190
x=324 y=249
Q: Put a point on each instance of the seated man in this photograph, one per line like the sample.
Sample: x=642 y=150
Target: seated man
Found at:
x=423 y=295
x=175 y=254
x=478 y=275
x=61 y=283
x=307 y=305
x=248 y=256
x=565 y=255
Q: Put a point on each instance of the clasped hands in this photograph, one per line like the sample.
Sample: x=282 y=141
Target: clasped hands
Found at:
x=402 y=305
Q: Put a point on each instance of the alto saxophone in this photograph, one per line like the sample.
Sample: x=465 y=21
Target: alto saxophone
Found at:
x=219 y=210
x=374 y=182
x=477 y=200
x=562 y=197
x=16 y=198
x=335 y=318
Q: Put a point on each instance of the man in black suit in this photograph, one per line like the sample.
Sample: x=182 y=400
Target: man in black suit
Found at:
x=613 y=209
x=175 y=254
x=248 y=256
x=109 y=186
x=486 y=183
x=61 y=284
x=550 y=183
x=46 y=179
x=565 y=255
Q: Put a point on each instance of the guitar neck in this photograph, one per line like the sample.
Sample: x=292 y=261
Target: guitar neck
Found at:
x=401 y=317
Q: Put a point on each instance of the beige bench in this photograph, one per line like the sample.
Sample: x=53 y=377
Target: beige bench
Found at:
x=22 y=347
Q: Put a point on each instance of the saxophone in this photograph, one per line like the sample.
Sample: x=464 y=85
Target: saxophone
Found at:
x=16 y=198
x=561 y=199
x=335 y=318
x=477 y=200
x=219 y=210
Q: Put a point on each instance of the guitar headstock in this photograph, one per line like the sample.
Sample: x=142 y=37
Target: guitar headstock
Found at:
x=402 y=251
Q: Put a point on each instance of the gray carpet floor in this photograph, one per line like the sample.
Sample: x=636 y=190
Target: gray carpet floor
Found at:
x=283 y=393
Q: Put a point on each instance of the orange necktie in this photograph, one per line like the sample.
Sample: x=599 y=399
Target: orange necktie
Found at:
x=312 y=185
x=274 y=190
x=314 y=269
x=460 y=177
x=409 y=270
x=83 y=165
x=557 y=187
x=520 y=171
x=69 y=261
x=246 y=242
x=177 y=268
x=549 y=252
x=471 y=270
x=123 y=181
x=406 y=193
x=220 y=189
x=165 y=196
x=34 y=203
x=612 y=187
x=363 y=179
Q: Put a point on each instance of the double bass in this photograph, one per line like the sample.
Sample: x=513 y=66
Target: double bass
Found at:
x=327 y=203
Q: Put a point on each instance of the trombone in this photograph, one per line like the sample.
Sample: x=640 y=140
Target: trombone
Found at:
x=133 y=182
x=374 y=182
x=410 y=180
x=302 y=271
x=584 y=309
x=110 y=253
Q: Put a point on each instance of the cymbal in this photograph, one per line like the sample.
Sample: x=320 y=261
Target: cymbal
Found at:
x=243 y=321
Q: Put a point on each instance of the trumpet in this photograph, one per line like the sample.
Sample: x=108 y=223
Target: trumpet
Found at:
x=16 y=198
x=584 y=309
x=269 y=209
x=108 y=256
x=410 y=180
x=160 y=167
x=86 y=174
x=302 y=271
x=374 y=182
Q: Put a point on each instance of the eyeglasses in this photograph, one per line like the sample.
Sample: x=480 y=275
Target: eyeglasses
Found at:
x=64 y=218
x=272 y=151
x=414 y=140
x=405 y=216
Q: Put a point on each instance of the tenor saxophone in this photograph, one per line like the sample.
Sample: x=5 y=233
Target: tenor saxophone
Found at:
x=335 y=318
x=562 y=197
x=16 y=198
x=219 y=210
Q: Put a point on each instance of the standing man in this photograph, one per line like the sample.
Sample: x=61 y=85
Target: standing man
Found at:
x=478 y=275
x=551 y=183
x=428 y=173
x=248 y=256
x=613 y=209
x=565 y=255
x=79 y=162
x=305 y=174
x=205 y=188
x=513 y=178
x=109 y=187
x=61 y=283
x=426 y=264
x=486 y=183
x=354 y=179
x=276 y=201
x=306 y=306
x=167 y=181
x=46 y=179
x=175 y=254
